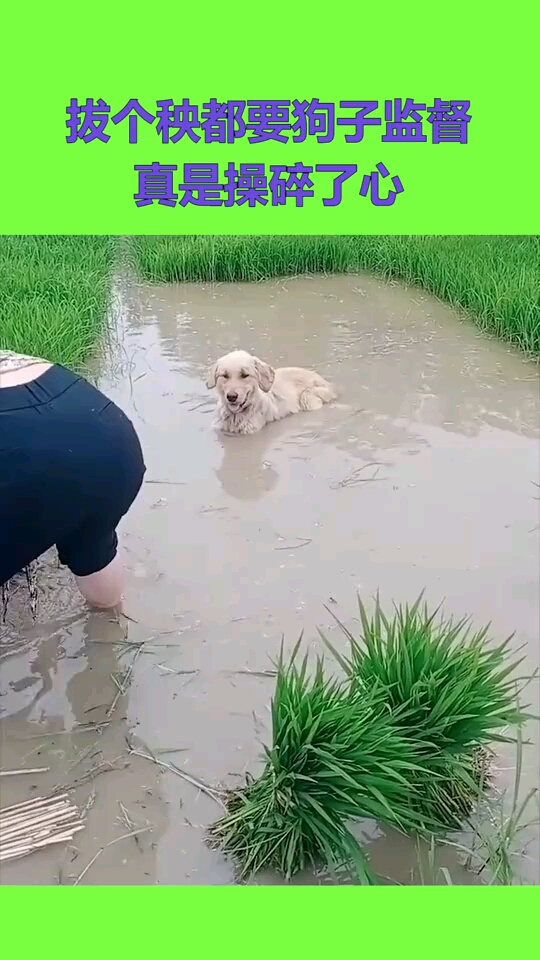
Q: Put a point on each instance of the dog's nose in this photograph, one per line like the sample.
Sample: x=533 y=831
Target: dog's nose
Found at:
x=233 y=397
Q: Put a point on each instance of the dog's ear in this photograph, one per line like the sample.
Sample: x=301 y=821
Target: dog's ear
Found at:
x=265 y=374
x=211 y=376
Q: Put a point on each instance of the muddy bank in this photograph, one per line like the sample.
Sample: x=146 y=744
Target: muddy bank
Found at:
x=421 y=476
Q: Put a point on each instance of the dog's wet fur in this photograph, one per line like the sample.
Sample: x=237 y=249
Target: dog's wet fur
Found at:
x=251 y=393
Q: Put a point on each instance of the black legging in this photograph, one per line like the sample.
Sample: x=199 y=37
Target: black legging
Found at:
x=71 y=465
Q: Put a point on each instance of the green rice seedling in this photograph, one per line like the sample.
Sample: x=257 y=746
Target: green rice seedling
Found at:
x=498 y=843
x=449 y=787
x=402 y=739
x=446 y=687
x=332 y=759
x=55 y=295
x=453 y=687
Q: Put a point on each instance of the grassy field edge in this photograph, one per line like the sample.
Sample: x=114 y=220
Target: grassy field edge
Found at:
x=494 y=280
x=56 y=292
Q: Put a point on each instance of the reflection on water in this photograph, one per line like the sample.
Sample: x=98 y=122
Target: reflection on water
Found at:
x=243 y=472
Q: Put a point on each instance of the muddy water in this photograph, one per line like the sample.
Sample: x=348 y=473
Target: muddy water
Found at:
x=422 y=476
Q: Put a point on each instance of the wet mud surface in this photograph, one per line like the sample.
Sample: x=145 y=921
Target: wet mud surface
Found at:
x=421 y=476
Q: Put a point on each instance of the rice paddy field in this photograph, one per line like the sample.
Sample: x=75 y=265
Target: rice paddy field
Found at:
x=198 y=740
x=55 y=291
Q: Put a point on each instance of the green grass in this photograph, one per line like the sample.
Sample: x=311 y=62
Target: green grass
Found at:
x=495 y=280
x=398 y=740
x=497 y=843
x=55 y=295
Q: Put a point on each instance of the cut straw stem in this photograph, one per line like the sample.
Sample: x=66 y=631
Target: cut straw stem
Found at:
x=14 y=773
x=33 y=824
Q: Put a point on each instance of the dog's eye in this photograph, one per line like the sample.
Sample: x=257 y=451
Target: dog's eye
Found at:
x=243 y=375
x=225 y=376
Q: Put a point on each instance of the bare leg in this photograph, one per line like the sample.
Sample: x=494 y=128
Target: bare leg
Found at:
x=104 y=589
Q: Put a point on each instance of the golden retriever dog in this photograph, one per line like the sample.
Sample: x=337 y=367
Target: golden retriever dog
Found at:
x=251 y=393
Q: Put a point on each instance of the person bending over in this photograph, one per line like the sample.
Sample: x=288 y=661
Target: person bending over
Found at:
x=71 y=465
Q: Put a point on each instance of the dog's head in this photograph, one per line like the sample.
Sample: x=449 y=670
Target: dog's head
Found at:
x=238 y=376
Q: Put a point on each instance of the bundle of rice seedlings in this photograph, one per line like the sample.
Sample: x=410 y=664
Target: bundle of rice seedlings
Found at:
x=333 y=758
x=446 y=687
x=402 y=740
